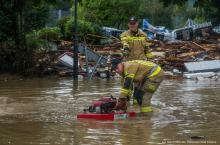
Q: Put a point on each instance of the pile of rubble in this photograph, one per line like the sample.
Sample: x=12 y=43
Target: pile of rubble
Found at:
x=173 y=54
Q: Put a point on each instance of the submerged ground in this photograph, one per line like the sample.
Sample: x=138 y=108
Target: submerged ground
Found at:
x=42 y=111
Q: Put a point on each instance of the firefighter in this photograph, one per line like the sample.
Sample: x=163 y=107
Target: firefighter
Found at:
x=146 y=76
x=135 y=43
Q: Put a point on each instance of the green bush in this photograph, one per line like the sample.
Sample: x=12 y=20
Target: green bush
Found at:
x=84 y=28
x=49 y=33
x=200 y=19
x=33 y=41
x=61 y=24
x=37 y=42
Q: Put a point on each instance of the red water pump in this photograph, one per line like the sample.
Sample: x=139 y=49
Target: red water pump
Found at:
x=103 y=105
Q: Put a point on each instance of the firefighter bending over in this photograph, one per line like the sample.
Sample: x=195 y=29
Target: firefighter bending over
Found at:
x=146 y=76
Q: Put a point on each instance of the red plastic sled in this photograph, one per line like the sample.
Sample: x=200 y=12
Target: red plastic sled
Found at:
x=106 y=117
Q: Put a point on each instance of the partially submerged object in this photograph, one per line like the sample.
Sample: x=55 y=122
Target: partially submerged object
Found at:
x=103 y=105
x=103 y=109
x=200 y=75
x=202 y=69
x=203 y=66
x=106 y=117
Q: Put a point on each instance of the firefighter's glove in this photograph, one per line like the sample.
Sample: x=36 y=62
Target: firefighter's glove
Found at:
x=126 y=51
x=121 y=104
x=149 y=55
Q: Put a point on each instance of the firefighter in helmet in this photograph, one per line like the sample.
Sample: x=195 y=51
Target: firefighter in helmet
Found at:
x=146 y=76
x=135 y=43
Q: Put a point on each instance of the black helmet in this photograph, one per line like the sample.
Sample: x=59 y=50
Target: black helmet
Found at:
x=133 y=19
x=114 y=63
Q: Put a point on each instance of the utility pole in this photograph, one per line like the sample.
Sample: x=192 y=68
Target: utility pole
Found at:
x=75 y=51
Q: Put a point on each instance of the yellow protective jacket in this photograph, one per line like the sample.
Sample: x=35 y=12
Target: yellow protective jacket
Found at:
x=136 y=71
x=137 y=43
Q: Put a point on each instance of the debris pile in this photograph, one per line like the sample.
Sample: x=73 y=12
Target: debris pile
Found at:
x=172 y=54
x=176 y=53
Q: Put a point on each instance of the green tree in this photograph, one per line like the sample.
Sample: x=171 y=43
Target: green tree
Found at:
x=115 y=13
x=84 y=28
x=112 y=13
x=206 y=10
x=36 y=17
x=156 y=13
x=6 y=18
x=17 y=18
x=209 y=10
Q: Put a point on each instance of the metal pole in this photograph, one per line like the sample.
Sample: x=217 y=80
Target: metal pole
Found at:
x=75 y=63
x=87 y=62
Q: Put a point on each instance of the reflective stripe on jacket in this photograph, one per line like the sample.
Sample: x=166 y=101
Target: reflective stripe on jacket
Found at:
x=137 y=44
x=135 y=71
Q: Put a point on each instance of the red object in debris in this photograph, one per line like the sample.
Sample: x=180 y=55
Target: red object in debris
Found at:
x=102 y=100
x=107 y=117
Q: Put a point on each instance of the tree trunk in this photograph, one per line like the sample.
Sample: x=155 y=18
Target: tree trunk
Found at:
x=22 y=53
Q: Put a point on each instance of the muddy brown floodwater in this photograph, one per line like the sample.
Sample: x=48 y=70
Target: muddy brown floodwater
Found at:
x=42 y=112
